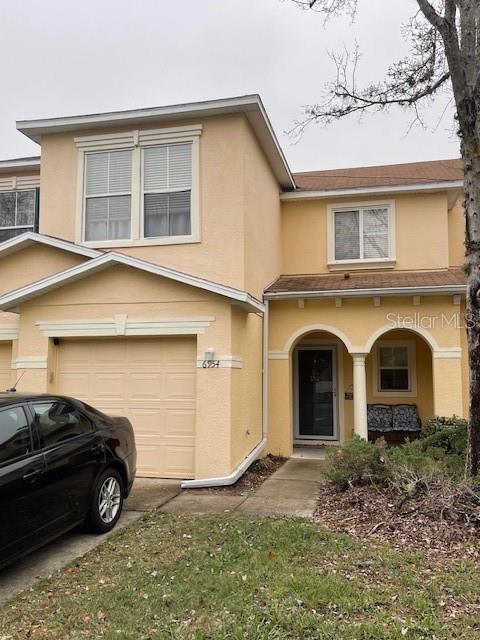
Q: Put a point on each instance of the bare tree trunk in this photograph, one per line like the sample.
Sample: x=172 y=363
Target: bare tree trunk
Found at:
x=471 y=158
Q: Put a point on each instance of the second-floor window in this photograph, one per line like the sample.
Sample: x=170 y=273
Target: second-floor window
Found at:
x=17 y=213
x=108 y=195
x=362 y=234
x=139 y=187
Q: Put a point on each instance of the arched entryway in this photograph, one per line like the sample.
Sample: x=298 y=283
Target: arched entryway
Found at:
x=321 y=372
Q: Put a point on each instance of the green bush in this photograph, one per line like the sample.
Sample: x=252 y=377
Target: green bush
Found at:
x=355 y=462
x=448 y=434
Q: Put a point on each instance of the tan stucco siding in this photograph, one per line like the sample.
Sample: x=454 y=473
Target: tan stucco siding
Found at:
x=262 y=218
x=32 y=264
x=219 y=256
x=305 y=233
x=436 y=329
x=221 y=437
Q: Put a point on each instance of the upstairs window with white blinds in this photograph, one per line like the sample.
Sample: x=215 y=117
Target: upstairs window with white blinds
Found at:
x=17 y=213
x=108 y=195
x=167 y=186
x=362 y=234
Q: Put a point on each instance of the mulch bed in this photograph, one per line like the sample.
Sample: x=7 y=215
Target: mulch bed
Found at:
x=372 y=513
x=251 y=479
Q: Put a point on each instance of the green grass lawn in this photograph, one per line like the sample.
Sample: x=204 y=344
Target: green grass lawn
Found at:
x=180 y=577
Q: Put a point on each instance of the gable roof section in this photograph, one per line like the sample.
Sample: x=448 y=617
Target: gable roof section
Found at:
x=13 y=298
x=250 y=105
x=30 y=238
x=377 y=283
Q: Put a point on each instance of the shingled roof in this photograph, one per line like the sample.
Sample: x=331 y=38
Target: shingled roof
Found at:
x=380 y=176
x=356 y=282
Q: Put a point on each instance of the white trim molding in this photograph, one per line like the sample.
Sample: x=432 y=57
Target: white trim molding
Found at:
x=8 y=332
x=13 y=298
x=121 y=325
x=29 y=238
x=278 y=355
x=224 y=362
x=30 y=362
x=451 y=353
x=19 y=183
x=304 y=194
x=434 y=290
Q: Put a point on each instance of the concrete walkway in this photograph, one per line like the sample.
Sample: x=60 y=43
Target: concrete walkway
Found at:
x=291 y=491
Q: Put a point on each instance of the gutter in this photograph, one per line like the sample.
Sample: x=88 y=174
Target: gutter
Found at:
x=458 y=289
x=224 y=481
x=304 y=194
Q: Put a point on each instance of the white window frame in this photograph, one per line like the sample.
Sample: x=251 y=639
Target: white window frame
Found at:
x=360 y=263
x=412 y=369
x=136 y=141
x=16 y=191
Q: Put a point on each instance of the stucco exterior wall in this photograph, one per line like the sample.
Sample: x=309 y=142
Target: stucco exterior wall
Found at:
x=355 y=328
x=123 y=290
x=236 y=188
x=305 y=238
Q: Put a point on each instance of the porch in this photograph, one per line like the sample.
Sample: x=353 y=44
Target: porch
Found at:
x=324 y=388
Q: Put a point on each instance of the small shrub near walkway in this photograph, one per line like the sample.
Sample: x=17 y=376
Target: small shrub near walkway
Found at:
x=217 y=578
x=415 y=494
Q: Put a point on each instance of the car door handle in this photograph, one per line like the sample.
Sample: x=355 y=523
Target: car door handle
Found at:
x=31 y=476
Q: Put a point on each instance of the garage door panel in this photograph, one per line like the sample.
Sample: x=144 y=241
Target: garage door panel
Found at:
x=152 y=381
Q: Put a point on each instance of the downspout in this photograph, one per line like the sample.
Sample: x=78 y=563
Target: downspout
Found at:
x=224 y=481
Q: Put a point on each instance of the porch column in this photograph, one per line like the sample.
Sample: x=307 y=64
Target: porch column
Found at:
x=360 y=395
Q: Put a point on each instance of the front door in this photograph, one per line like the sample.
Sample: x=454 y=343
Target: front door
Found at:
x=316 y=391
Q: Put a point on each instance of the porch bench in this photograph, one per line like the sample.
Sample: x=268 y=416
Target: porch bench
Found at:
x=394 y=422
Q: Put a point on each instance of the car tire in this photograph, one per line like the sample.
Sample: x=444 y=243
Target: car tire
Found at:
x=106 y=503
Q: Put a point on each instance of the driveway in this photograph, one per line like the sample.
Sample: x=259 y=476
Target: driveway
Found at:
x=147 y=494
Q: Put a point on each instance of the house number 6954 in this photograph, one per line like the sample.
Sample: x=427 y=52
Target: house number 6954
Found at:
x=211 y=364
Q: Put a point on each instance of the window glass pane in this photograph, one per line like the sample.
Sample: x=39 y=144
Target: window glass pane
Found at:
x=120 y=172
x=58 y=421
x=107 y=218
x=375 y=233
x=347 y=239
x=167 y=214
x=96 y=219
x=25 y=208
x=394 y=380
x=386 y=356
x=7 y=209
x=155 y=163
x=96 y=173
x=400 y=356
x=180 y=166
x=119 y=208
x=14 y=434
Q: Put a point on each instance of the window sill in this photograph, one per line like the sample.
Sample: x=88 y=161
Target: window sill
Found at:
x=395 y=394
x=361 y=265
x=144 y=242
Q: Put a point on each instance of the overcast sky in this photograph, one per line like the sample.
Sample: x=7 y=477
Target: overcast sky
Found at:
x=64 y=58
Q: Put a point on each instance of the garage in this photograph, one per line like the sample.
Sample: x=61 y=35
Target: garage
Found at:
x=149 y=380
x=5 y=365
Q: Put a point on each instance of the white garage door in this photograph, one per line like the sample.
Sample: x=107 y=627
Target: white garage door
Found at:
x=5 y=365
x=149 y=380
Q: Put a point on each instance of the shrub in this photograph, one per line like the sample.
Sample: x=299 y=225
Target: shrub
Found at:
x=448 y=434
x=355 y=462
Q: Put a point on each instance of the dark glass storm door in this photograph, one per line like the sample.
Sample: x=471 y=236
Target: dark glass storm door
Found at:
x=316 y=414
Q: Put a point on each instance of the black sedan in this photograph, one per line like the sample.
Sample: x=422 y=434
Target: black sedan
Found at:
x=62 y=463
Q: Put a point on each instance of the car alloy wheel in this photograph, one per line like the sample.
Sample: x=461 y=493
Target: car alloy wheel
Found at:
x=109 y=499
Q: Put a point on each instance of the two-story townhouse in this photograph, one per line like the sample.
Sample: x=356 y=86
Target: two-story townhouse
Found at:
x=177 y=273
